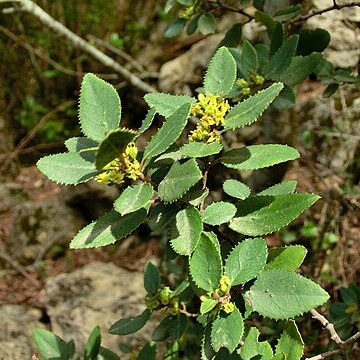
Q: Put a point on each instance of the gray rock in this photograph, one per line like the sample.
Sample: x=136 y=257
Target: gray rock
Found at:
x=15 y=335
x=97 y=294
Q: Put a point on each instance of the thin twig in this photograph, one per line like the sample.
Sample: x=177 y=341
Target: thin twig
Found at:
x=31 y=8
x=328 y=326
x=228 y=7
x=335 y=6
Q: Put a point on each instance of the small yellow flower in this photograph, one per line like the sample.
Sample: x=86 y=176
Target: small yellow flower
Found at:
x=228 y=307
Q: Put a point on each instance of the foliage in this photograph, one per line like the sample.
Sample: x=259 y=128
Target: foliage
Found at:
x=229 y=285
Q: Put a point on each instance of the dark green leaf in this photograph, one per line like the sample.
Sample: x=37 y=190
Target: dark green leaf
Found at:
x=277 y=39
x=262 y=215
x=227 y=330
x=207 y=23
x=281 y=59
x=205 y=263
x=100 y=108
x=146 y=122
x=262 y=52
x=175 y=28
x=179 y=179
x=148 y=352
x=258 y=156
x=130 y=325
x=151 y=278
x=287 y=13
x=161 y=215
x=248 y=60
x=192 y=25
x=92 y=346
x=76 y=144
x=266 y=20
x=280 y=294
x=106 y=354
x=113 y=145
x=207 y=351
x=173 y=326
x=330 y=90
x=246 y=260
x=107 y=229
x=232 y=37
x=285 y=100
x=312 y=41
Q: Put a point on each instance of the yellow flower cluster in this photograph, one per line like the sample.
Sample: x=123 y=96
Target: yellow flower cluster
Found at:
x=125 y=165
x=211 y=110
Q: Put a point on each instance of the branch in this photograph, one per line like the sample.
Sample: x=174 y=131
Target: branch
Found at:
x=225 y=6
x=30 y=7
x=335 y=6
x=334 y=336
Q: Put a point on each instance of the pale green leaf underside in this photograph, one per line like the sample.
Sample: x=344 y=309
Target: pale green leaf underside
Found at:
x=67 y=168
x=206 y=264
x=108 y=229
x=227 y=330
x=166 y=104
x=189 y=227
x=179 y=179
x=247 y=111
x=286 y=187
x=262 y=215
x=236 y=189
x=169 y=132
x=246 y=260
x=146 y=122
x=113 y=145
x=218 y=213
x=221 y=73
x=258 y=156
x=49 y=345
x=100 y=107
x=76 y=144
x=253 y=347
x=134 y=198
x=290 y=342
x=199 y=149
x=280 y=294
x=287 y=258
x=207 y=305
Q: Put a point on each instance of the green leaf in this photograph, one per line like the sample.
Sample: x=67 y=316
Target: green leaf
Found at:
x=262 y=52
x=286 y=187
x=227 y=330
x=107 y=229
x=192 y=24
x=280 y=294
x=247 y=111
x=285 y=100
x=130 y=325
x=100 y=107
x=246 y=260
x=281 y=59
x=67 y=168
x=189 y=227
x=248 y=60
x=262 y=215
x=170 y=157
x=182 y=287
x=290 y=342
x=134 y=198
x=106 y=354
x=168 y=6
x=161 y=215
x=207 y=24
x=300 y=68
x=277 y=39
x=266 y=20
x=207 y=352
x=258 y=156
x=169 y=132
x=179 y=179
x=287 y=13
x=312 y=41
x=196 y=201
x=199 y=149
x=221 y=73
x=330 y=90
x=205 y=263
x=174 y=28
x=207 y=305
x=76 y=144
x=51 y=346
x=252 y=347
x=218 y=213
x=236 y=189
x=146 y=122
x=113 y=145
x=148 y=352
x=166 y=104
x=173 y=326
x=151 y=278
x=92 y=346
x=232 y=36
x=287 y=258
